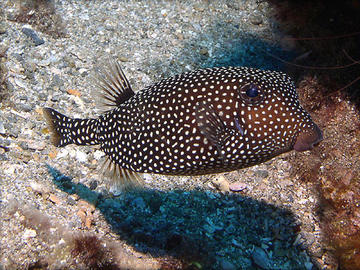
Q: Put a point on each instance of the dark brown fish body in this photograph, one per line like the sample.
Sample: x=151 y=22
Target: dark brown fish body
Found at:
x=206 y=121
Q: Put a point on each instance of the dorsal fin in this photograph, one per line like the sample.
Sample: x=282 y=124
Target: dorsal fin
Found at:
x=114 y=87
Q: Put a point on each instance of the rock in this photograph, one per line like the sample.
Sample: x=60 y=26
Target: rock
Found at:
x=138 y=203
x=226 y=265
x=237 y=186
x=2 y=128
x=308 y=265
x=70 y=201
x=36 y=145
x=85 y=213
x=2 y=28
x=54 y=199
x=221 y=183
x=24 y=107
x=93 y=185
x=123 y=58
x=98 y=154
x=261 y=258
x=204 y=52
x=38 y=188
x=24 y=145
x=29 y=233
x=81 y=156
x=261 y=173
x=33 y=35
x=256 y=18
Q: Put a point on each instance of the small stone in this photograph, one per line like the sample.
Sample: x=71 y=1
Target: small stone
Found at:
x=24 y=145
x=29 y=233
x=55 y=98
x=237 y=186
x=138 y=203
x=261 y=173
x=82 y=215
x=74 y=92
x=123 y=58
x=38 y=188
x=163 y=12
x=2 y=28
x=308 y=265
x=85 y=213
x=226 y=265
x=87 y=207
x=93 y=185
x=98 y=154
x=54 y=199
x=33 y=35
x=221 y=183
x=261 y=258
x=70 y=201
x=36 y=145
x=81 y=156
x=2 y=128
x=256 y=19
x=204 y=51
x=25 y=107
x=75 y=197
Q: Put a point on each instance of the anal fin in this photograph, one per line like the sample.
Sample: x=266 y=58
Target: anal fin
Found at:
x=121 y=179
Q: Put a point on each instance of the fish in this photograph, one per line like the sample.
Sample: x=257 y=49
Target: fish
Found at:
x=206 y=121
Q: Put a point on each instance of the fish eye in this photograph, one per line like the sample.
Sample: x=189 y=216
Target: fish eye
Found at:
x=251 y=94
x=252 y=91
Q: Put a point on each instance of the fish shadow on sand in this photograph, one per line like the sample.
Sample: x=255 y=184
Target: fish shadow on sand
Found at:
x=198 y=226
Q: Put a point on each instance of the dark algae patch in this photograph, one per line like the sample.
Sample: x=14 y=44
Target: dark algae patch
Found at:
x=334 y=168
x=198 y=228
x=327 y=34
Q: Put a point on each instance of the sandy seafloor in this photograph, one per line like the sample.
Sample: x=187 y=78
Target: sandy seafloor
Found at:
x=268 y=225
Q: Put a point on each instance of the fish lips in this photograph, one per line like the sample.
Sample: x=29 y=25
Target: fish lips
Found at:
x=306 y=140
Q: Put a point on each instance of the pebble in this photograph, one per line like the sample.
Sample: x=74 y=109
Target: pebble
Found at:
x=221 y=183
x=256 y=19
x=226 y=265
x=138 y=203
x=261 y=258
x=2 y=28
x=37 y=145
x=2 y=128
x=81 y=156
x=237 y=186
x=54 y=199
x=33 y=35
x=98 y=154
x=70 y=201
x=24 y=145
x=29 y=233
x=308 y=265
x=93 y=185
x=85 y=213
x=39 y=188
x=261 y=173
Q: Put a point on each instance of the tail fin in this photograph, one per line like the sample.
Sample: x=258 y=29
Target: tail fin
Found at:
x=66 y=130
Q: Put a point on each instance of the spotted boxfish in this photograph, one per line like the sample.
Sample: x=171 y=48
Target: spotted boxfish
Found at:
x=207 y=121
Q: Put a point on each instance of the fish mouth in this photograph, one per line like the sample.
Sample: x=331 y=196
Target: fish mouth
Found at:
x=306 y=140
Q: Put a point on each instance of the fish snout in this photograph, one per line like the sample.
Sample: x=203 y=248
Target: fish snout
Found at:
x=307 y=139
